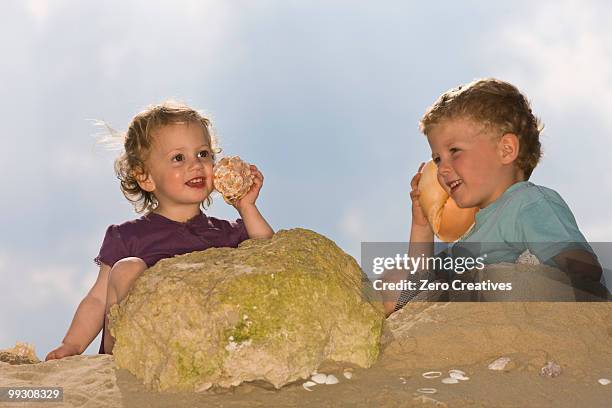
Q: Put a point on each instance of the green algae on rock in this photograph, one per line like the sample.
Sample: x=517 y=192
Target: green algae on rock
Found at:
x=268 y=310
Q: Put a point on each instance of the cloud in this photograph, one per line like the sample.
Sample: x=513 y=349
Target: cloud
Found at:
x=598 y=231
x=563 y=51
x=40 y=284
x=352 y=223
x=560 y=54
x=38 y=9
x=204 y=28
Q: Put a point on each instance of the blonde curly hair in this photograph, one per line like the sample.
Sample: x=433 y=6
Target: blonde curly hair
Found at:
x=496 y=104
x=137 y=145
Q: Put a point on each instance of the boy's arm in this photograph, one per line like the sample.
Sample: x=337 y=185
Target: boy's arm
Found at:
x=87 y=321
x=584 y=272
x=254 y=222
x=580 y=263
x=421 y=244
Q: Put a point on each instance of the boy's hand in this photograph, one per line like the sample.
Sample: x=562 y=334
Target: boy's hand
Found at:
x=65 y=350
x=251 y=196
x=418 y=215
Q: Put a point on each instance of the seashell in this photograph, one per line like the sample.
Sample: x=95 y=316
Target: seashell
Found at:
x=331 y=380
x=454 y=370
x=319 y=378
x=403 y=380
x=604 y=381
x=458 y=376
x=348 y=375
x=551 y=369
x=432 y=374
x=427 y=390
x=232 y=178
x=450 y=380
x=308 y=384
x=527 y=258
x=499 y=364
x=203 y=387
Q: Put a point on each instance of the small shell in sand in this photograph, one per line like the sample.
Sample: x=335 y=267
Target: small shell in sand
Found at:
x=551 y=369
x=458 y=376
x=427 y=390
x=604 y=381
x=331 y=380
x=203 y=387
x=432 y=374
x=499 y=364
x=348 y=375
x=319 y=378
x=308 y=384
x=450 y=380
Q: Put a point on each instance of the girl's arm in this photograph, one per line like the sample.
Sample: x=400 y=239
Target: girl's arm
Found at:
x=87 y=321
x=254 y=222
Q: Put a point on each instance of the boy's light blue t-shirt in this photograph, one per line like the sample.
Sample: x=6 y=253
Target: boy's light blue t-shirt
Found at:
x=526 y=216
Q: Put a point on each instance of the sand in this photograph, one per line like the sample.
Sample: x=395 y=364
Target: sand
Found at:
x=421 y=337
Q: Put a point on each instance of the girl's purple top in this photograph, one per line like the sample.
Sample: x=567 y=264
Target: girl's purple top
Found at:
x=153 y=237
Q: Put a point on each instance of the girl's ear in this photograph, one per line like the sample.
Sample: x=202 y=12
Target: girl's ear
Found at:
x=508 y=148
x=145 y=182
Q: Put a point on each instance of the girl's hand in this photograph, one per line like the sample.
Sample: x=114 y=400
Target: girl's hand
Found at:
x=65 y=350
x=419 y=217
x=251 y=196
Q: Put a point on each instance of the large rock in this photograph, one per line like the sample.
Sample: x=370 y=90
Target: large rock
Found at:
x=268 y=310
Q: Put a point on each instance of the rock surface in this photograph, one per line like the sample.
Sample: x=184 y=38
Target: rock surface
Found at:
x=268 y=310
x=22 y=353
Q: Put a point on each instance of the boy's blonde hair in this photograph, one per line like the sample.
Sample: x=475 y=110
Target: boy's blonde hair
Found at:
x=137 y=145
x=499 y=106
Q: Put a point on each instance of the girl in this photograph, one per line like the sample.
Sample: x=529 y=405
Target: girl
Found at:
x=166 y=171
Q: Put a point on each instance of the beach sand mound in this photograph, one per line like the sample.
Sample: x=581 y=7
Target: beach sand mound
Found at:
x=86 y=381
x=574 y=335
x=422 y=337
x=269 y=310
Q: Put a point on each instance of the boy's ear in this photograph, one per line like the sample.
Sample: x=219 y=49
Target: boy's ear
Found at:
x=508 y=148
x=145 y=181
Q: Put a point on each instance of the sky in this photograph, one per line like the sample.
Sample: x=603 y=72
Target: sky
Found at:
x=323 y=96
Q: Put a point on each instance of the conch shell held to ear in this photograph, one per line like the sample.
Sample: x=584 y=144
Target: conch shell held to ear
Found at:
x=232 y=178
x=447 y=220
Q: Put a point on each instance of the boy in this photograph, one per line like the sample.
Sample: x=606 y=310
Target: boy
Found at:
x=484 y=140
